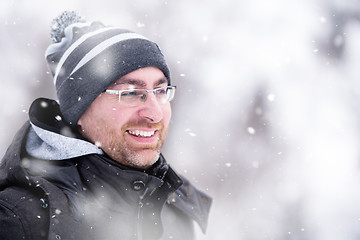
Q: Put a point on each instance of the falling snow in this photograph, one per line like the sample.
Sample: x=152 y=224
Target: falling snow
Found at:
x=266 y=104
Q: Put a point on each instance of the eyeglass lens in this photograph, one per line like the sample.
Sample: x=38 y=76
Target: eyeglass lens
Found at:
x=134 y=97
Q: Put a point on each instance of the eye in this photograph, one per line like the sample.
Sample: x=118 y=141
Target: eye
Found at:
x=132 y=96
x=129 y=93
x=161 y=91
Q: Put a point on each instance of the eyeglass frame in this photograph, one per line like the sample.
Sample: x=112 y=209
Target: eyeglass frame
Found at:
x=143 y=100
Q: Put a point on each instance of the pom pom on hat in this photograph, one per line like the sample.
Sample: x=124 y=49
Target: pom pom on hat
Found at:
x=60 y=23
x=87 y=57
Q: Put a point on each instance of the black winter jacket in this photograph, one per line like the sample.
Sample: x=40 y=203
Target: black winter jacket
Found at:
x=94 y=197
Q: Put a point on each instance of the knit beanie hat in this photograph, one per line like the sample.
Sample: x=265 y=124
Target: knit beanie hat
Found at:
x=85 y=58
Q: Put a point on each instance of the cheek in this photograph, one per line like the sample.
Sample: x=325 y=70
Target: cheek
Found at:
x=109 y=112
x=95 y=117
x=118 y=116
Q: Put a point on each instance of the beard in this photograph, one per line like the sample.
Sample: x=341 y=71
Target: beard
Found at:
x=126 y=152
x=136 y=159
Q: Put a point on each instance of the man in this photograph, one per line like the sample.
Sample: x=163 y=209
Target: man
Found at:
x=89 y=166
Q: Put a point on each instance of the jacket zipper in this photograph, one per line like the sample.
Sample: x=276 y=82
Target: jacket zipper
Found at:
x=139 y=221
x=140 y=215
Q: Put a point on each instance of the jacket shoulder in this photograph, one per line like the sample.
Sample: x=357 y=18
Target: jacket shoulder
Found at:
x=192 y=202
x=23 y=214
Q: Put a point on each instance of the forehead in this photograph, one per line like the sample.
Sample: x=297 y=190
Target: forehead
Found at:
x=143 y=77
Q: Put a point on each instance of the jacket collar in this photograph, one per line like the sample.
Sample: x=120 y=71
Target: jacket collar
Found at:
x=51 y=138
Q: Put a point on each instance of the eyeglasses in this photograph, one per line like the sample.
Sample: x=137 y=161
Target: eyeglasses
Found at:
x=134 y=97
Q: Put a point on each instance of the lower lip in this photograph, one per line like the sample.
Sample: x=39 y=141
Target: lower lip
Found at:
x=146 y=140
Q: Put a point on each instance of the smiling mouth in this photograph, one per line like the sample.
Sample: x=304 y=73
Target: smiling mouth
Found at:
x=140 y=133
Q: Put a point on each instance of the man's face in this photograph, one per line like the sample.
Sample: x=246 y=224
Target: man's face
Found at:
x=132 y=136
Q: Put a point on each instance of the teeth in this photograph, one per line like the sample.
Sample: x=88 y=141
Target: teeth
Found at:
x=142 y=133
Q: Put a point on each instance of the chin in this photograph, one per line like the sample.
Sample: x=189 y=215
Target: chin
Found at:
x=142 y=160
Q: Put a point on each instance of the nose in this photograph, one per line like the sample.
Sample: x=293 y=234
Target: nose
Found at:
x=151 y=109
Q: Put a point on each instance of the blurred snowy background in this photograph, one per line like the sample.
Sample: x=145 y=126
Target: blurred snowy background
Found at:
x=266 y=117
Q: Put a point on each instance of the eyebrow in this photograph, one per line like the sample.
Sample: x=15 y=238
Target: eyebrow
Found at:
x=140 y=83
x=161 y=81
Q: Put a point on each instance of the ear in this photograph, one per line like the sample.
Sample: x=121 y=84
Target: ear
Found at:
x=79 y=125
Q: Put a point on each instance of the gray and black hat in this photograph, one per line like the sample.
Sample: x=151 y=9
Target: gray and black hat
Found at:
x=85 y=58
